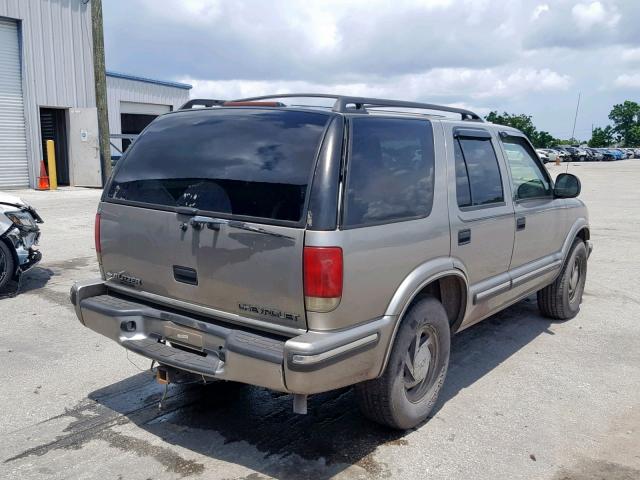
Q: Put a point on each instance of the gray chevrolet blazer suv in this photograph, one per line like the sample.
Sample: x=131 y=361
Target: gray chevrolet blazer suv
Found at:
x=308 y=248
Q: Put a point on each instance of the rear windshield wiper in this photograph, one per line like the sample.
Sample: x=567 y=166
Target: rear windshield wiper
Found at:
x=212 y=223
x=251 y=228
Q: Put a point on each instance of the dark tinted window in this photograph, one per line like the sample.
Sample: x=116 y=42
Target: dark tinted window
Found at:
x=253 y=163
x=478 y=180
x=391 y=167
x=463 y=191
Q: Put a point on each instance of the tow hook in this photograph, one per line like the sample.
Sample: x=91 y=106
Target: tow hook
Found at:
x=162 y=376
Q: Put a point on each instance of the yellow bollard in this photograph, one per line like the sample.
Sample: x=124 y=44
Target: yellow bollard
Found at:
x=51 y=161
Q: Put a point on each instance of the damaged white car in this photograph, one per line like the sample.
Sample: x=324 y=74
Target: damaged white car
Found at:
x=19 y=234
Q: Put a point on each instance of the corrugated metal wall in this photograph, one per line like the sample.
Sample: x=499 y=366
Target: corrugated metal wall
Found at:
x=124 y=90
x=14 y=162
x=57 y=64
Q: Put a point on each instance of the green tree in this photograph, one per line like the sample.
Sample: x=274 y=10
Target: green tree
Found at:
x=633 y=137
x=601 y=137
x=524 y=123
x=625 y=116
x=544 y=140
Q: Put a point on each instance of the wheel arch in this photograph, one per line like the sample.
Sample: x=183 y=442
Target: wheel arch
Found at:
x=579 y=229
x=448 y=285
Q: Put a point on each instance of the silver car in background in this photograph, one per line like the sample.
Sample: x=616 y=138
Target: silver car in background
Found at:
x=305 y=249
x=19 y=235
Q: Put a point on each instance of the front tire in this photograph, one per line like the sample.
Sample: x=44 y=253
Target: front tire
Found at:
x=405 y=394
x=7 y=265
x=561 y=300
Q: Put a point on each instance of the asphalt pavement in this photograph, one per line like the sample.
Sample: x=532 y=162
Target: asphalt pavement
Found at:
x=525 y=397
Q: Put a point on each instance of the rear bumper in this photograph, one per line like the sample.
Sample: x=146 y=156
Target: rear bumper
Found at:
x=309 y=363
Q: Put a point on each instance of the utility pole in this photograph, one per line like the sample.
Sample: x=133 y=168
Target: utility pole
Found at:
x=575 y=119
x=99 y=73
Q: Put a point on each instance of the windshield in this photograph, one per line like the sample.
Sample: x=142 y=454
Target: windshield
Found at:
x=234 y=162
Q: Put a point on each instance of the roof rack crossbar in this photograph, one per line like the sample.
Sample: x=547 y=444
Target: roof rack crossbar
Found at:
x=344 y=104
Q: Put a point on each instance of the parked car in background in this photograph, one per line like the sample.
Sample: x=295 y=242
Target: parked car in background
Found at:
x=636 y=152
x=273 y=259
x=607 y=154
x=551 y=154
x=582 y=154
x=616 y=154
x=564 y=156
x=622 y=155
x=575 y=154
x=544 y=156
x=594 y=155
x=19 y=234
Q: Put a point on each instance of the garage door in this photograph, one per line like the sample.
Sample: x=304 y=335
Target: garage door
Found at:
x=14 y=170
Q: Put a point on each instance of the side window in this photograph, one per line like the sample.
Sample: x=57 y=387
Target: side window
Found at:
x=478 y=179
x=529 y=181
x=391 y=171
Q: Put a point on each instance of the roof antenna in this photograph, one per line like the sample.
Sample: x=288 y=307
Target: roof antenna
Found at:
x=575 y=119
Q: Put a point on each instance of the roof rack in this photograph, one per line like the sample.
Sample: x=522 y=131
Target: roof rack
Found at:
x=348 y=104
x=201 y=102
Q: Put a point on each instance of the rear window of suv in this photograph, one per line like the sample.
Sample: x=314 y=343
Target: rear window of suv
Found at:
x=251 y=163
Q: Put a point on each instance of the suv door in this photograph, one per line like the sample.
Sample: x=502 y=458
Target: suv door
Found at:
x=540 y=218
x=481 y=216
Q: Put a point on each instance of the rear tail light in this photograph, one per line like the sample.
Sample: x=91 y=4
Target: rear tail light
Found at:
x=322 y=278
x=96 y=234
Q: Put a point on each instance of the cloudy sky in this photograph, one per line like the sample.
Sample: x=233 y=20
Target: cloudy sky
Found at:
x=520 y=56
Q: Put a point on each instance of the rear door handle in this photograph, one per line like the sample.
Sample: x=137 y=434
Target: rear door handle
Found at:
x=521 y=223
x=464 y=236
x=185 y=275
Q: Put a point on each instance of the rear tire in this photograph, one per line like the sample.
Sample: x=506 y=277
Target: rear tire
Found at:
x=7 y=265
x=408 y=389
x=561 y=300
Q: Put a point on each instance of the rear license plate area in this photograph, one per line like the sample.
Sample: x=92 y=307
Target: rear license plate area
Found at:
x=186 y=338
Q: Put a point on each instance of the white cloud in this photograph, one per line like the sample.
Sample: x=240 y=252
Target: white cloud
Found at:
x=628 y=80
x=520 y=56
x=439 y=83
x=588 y=15
x=539 y=10
x=631 y=55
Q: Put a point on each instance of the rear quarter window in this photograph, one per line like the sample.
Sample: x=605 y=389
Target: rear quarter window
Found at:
x=390 y=171
x=249 y=163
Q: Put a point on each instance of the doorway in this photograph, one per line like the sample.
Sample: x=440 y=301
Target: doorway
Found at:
x=53 y=126
x=133 y=124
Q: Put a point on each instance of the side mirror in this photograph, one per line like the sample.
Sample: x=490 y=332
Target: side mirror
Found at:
x=567 y=186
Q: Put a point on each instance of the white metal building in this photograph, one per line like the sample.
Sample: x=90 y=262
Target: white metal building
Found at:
x=135 y=101
x=47 y=90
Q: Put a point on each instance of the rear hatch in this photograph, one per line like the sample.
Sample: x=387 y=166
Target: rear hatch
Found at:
x=209 y=208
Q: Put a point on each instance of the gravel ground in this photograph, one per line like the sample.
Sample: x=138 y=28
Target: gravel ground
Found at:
x=525 y=397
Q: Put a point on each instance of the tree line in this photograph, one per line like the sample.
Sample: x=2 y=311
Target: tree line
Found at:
x=624 y=130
